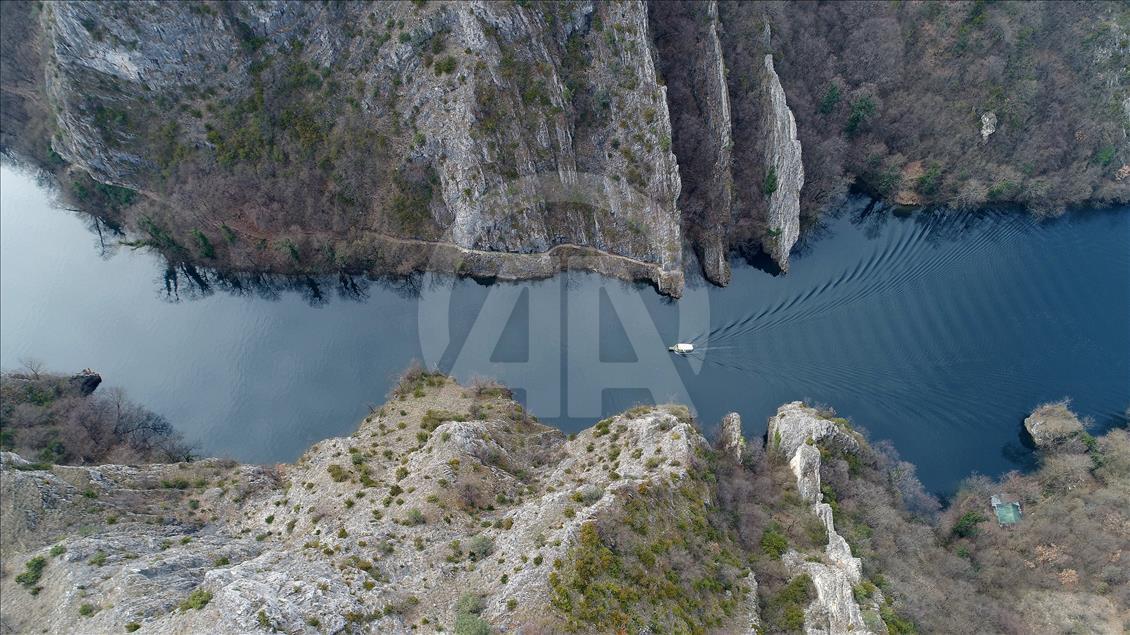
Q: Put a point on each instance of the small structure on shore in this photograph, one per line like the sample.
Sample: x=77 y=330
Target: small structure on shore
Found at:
x=1007 y=509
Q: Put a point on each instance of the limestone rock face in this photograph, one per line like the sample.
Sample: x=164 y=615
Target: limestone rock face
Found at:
x=795 y=424
x=732 y=441
x=1053 y=424
x=834 y=611
x=806 y=466
x=518 y=163
x=753 y=617
x=716 y=262
x=435 y=496
x=782 y=159
x=988 y=125
x=795 y=432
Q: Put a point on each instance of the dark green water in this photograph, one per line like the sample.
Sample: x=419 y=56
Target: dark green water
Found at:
x=938 y=332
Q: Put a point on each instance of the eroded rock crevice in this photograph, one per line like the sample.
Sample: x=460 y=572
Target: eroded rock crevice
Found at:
x=692 y=64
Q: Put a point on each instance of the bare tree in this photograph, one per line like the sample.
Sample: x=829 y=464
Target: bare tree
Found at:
x=33 y=367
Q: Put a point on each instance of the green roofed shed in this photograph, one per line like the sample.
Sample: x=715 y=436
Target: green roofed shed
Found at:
x=1008 y=511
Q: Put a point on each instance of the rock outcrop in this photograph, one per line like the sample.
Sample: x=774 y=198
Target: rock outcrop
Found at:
x=988 y=125
x=785 y=171
x=444 y=492
x=86 y=382
x=798 y=432
x=715 y=248
x=731 y=441
x=1053 y=424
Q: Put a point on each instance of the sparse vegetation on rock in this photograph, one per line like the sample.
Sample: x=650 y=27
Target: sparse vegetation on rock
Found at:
x=583 y=533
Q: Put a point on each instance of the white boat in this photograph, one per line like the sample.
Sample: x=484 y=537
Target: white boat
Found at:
x=681 y=348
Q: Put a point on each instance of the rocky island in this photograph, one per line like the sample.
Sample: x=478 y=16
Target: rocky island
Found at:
x=451 y=509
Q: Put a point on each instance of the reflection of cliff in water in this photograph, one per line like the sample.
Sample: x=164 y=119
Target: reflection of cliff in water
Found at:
x=185 y=281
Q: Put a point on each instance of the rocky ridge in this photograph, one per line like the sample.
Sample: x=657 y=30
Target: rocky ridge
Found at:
x=304 y=138
x=443 y=492
x=731 y=440
x=452 y=505
x=798 y=433
x=444 y=498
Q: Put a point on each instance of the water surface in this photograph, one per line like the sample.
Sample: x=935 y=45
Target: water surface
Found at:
x=936 y=331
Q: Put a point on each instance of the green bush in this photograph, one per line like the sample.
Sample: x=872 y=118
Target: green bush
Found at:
x=861 y=111
x=33 y=570
x=337 y=473
x=479 y=547
x=467 y=620
x=86 y=610
x=445 y=65
x=896 y=624
x=930 y=180
x=203 y=244
x=830 y=99
x=1105 y=155
x=784 y=611
x=773 y=543
x=196 y=600
x=92 y=194
x=291 y=250
x=864 y=590
x=966 y=526
x=663 y=564
x=770 y=184
x=414 y=517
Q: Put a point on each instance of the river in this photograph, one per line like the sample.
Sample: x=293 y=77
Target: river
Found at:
x=936 y=331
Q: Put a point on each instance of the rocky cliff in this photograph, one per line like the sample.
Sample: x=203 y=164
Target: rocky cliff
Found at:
x=785 y=172
x=449 y=506
x=694 y=68
x=326 y=131
x=396 y=136
x=519 y=139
